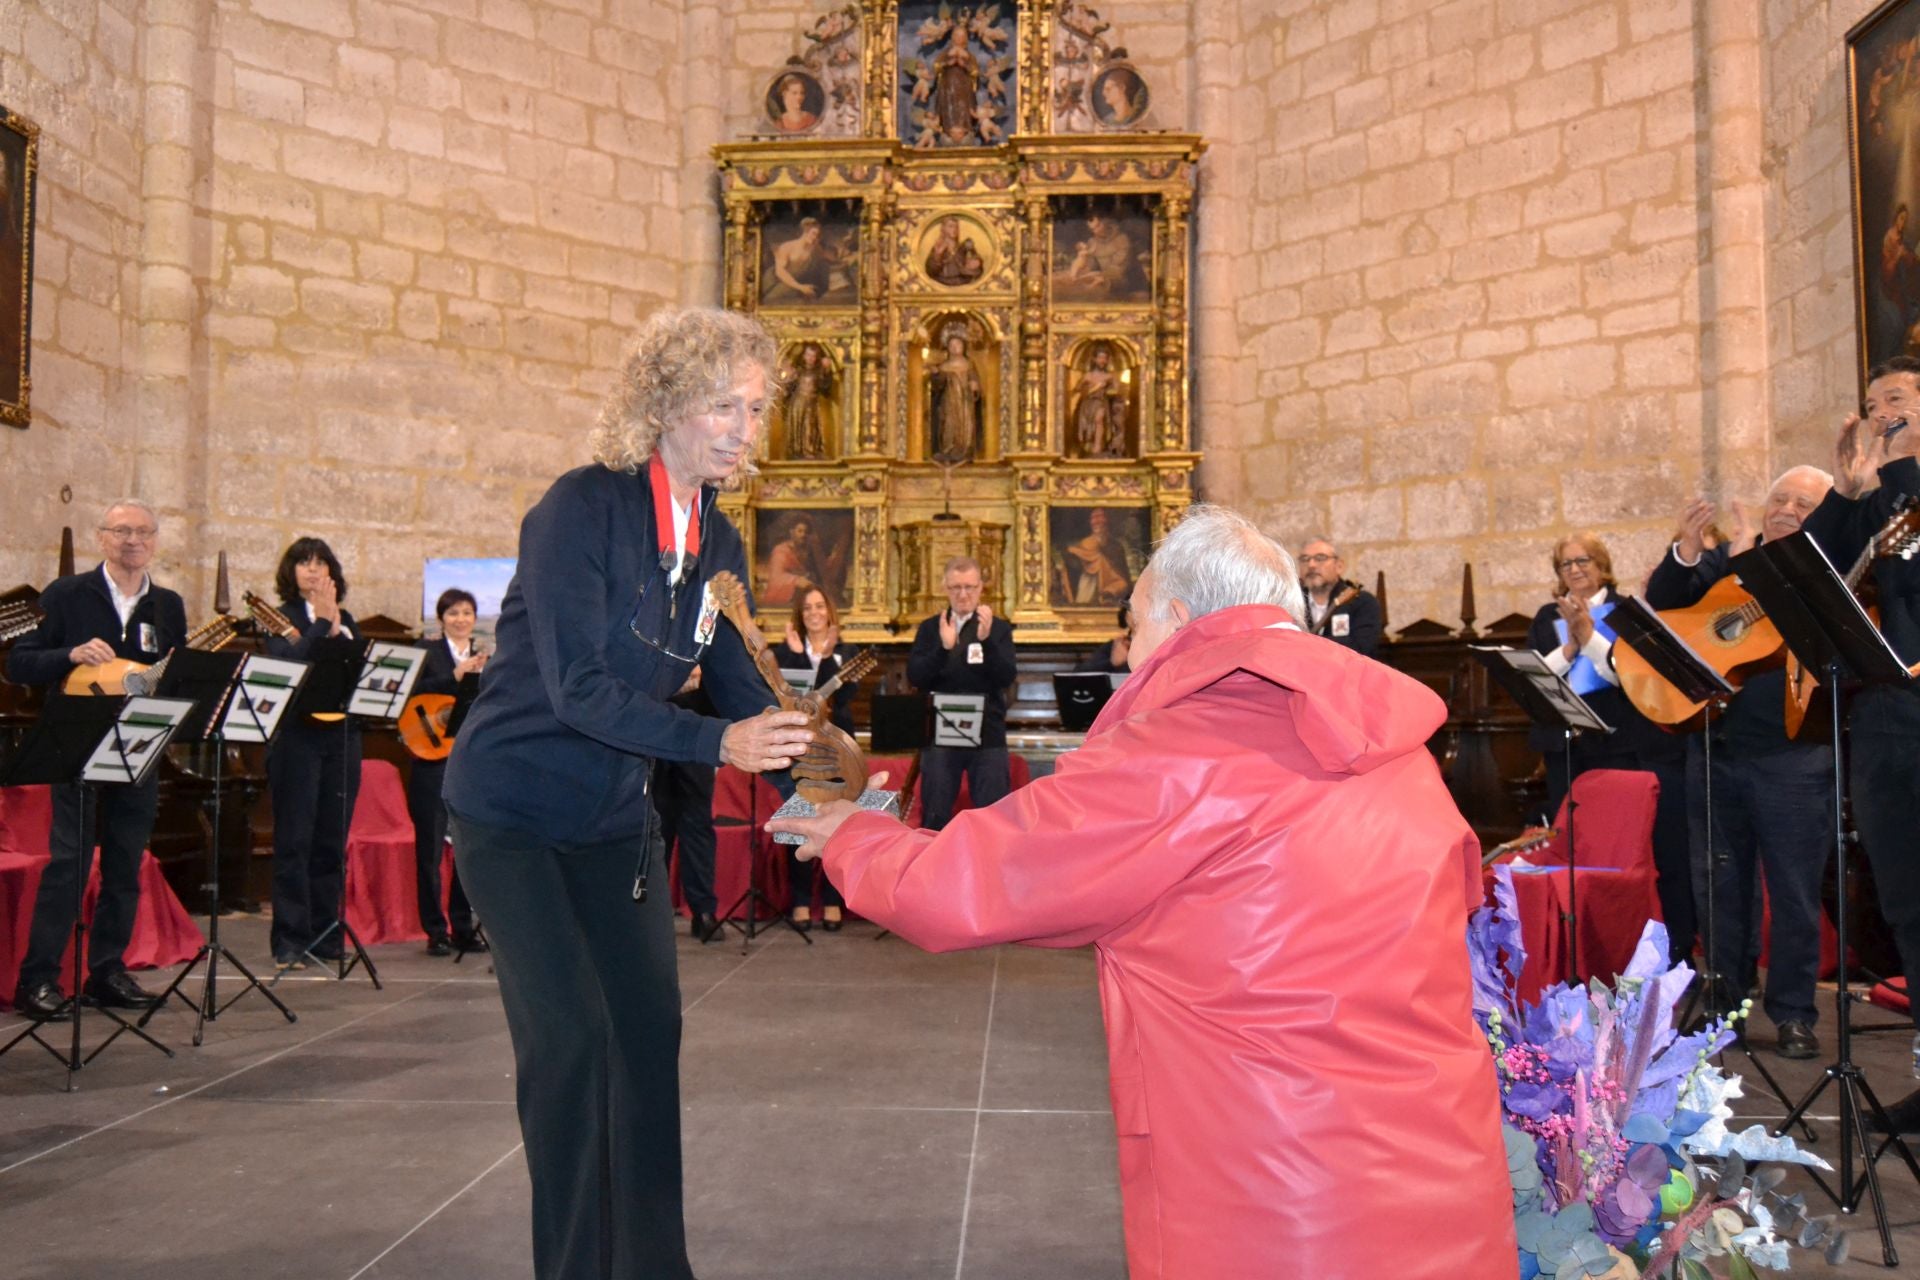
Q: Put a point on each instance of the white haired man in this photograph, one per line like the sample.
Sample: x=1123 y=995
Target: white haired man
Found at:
x=1770 y=793
x=114 y=610
x=1261 y=849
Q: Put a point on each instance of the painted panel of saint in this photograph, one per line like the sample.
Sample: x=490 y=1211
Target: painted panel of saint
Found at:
x=1097 y=554
x=956 y=250
x=795 y=102
x=810 y=256
x=1118 y=97
x=797 y=548
x=1884 y=70
x=17 y=143
x=1103 y=254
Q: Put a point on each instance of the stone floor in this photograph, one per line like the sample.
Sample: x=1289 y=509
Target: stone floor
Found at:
x=853 y=1109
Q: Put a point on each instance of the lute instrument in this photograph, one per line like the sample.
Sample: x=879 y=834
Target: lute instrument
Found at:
x=124 y=676
x=17 y=617
x=833 y=767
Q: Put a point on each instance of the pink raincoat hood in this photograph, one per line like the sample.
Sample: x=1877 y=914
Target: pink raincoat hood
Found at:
x=1352 y=713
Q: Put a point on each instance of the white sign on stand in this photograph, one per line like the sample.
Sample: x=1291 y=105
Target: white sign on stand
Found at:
x=140 y=734
x=958 y=719
x=386 y=680
x=265 y=689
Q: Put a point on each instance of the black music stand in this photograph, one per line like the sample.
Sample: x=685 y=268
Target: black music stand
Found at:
x=228 y=706
x=1825 y=627
x=70 y=737
x=754 y=897
x=1551 y=703
x=1674 y=661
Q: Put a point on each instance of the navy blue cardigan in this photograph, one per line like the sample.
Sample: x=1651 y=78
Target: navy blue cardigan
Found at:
x=591 y=644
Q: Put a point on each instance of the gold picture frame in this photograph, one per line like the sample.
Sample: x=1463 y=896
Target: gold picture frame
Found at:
x=19 y=167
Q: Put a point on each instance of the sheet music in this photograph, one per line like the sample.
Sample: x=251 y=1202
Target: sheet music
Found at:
x=265 y=690
x=958 y=719
x=140 y=734
x=386 y=680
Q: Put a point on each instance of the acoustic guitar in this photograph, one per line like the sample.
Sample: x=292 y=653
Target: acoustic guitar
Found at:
x=1728 y=631
x=423 y=724
x=1899 y=537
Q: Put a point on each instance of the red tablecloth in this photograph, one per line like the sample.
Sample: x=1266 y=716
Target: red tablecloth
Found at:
x=1614 y=905
x=163 y=932
x=383 y=903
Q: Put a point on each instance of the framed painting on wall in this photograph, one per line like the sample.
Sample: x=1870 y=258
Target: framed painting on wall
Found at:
x=798 y=547
x=19 y=162
x=1883 y=130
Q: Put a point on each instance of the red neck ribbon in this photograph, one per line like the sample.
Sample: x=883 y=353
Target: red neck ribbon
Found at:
x=663 y=511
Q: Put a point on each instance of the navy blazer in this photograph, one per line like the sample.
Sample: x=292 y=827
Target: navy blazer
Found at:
x=1843 y=527
x=592 y=642
x=79 y=608
x=935 y=670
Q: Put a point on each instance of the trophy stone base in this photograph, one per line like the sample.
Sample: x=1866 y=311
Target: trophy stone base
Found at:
x=887 y=802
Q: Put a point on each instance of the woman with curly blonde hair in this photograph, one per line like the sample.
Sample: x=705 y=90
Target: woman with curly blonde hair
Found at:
x=548 y=789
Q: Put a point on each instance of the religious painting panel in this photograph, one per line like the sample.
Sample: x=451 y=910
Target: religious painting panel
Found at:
x=796 y=103
x=1118 y=96
x=810 y=254
x=1101 y=399
x=1883 y=73
x=957 y=83
x=1096 y=553
x=955 y=249
x=19 y=158
x=797 y=547
x=1102 y=250
x=807 y=402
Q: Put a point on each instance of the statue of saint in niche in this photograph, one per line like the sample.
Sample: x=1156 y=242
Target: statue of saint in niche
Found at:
x=955 y=400
x=808 y=382
x=1098 y=408
x=953 y=260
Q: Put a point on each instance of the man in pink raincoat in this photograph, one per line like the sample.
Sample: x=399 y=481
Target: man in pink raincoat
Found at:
x=1277 y=884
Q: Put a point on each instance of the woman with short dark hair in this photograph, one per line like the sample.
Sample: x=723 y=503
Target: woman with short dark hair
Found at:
x=313 y=767
x=452 y=668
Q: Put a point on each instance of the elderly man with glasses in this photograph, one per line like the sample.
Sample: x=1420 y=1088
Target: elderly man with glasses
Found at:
x=112 y=611
x=1337 y=609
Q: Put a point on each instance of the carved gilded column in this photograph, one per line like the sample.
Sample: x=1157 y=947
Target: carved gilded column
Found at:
x=868 y=581
x=743 y=255
x=876 y=216
x=1033 y=426
x=880 y=67
x=1171 y=323
x=1036 y=68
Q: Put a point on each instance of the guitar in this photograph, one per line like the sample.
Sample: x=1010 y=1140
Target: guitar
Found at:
x=1526 y=842
x=17 y=617
x=1899 y=537
x=423 y=724
x=833 y=767
x=125 y=677
x=1727 y=629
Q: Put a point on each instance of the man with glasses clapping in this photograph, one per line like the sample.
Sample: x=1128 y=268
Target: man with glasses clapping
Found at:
x=112 y=611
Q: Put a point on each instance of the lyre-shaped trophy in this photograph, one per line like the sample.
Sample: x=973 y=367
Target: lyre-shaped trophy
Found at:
x=833 y=767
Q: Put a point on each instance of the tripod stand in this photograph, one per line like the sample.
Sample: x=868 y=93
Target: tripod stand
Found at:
x=85 y=742
x=755 y=897
x=1825 y=627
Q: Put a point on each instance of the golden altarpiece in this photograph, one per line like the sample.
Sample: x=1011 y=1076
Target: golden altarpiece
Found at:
x=973 y=250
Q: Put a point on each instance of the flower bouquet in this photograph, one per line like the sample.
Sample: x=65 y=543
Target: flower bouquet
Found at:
x=1617 y=1146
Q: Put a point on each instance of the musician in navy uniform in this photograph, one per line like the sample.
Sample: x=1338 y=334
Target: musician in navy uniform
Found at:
x=452 y=667
x=964 y=649
x=814 y=649
x=610 y=608
x=1771 y=812
x=112 y=611
x=1339 y=610
x=1877 y=466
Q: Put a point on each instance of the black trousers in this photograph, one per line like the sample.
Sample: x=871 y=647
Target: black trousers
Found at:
x=683 y=797
x=122 y=819
x=313 y=775
x=429 y=814
x=1772 y=824
x=1884 y=773
x=988 y=774
x=592 y=994
x=1672 y=845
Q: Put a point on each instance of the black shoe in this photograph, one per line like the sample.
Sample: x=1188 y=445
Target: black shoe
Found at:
x=437 y=945
x=831 y=919
x=707 y=928
x=287 y=958
x=470 y=942
x=1796 y=1040
x=1905 y=1115
x=43 y=1002
x=120 y=991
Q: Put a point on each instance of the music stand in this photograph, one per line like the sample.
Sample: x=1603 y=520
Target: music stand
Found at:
x=90 y=742
x=1825 y=627
x=1674 y=661
x=245 y=697
x=1551 y=703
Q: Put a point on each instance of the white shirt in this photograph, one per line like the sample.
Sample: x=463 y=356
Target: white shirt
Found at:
x=680 y=517
x=1598 y=649
x=124 y=605
x=459 y=655
x=813 y=658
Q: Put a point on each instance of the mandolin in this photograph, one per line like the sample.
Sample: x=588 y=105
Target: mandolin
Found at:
x=1899 y=537
x=17 y=617
x=268 y=618
x=1729 y=632
x=124 y=676
x=833 y=767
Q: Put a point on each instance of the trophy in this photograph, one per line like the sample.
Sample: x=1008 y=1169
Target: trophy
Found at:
x=833 y=766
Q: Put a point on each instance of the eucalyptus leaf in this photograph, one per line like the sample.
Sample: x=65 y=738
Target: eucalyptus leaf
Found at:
x=1768 y=1178
x=1733 y=1173
x=1838 y=1248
